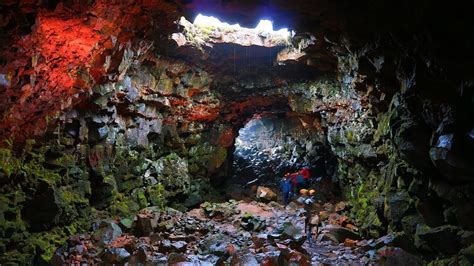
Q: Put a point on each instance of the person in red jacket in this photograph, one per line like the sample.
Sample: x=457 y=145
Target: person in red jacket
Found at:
x=306 y=173
x=300 y=179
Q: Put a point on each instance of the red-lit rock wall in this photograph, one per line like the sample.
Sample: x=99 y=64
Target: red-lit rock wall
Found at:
x=67 y=53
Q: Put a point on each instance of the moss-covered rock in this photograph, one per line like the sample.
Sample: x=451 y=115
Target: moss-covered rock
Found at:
x=395 y=207
x=172 y=172
x=207 y=157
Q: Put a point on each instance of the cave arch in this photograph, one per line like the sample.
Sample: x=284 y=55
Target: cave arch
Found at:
x=273 y=143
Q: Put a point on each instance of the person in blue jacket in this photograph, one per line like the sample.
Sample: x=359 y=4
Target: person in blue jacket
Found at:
x=286 y=188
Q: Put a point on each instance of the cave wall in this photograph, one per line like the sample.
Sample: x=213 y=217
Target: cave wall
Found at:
x=141 y=141
x=94 y=124
x=402 y=171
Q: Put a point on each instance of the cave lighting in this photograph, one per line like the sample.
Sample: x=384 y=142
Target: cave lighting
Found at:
x=263 y=26
x=210 y=21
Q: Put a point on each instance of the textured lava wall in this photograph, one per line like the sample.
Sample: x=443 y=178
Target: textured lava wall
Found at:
x=121 y=122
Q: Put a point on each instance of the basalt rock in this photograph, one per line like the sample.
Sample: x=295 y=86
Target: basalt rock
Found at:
x=397 y=256
x=105 y=232
x=216 y=244
x=266 y=194
x=339 y=234
x=125 y=120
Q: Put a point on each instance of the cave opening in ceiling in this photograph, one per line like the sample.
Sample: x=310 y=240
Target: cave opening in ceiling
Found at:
x=263 y=27
x=208 y=33
x=209 y=28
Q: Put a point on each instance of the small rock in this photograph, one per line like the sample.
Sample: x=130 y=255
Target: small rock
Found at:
x=397 y=256
x=215 y=244
x=105 y=232
x=293 y=257
x=341 y=233
x=116 y=255
x=288 y=234
x=165 y=246
x=252 y=223
x=270 y=258
x=208 y=259
x=340 y=206
x=175 y=258
x=350 y=243
x=265 y=194
x=314 y=220
x=179 y=246
x=126 y=223
x=244 y=258
x=146 y=221
x=175 y=237
x=259 y=240
x=125 y=241
x=166 y=225
x=323 y=215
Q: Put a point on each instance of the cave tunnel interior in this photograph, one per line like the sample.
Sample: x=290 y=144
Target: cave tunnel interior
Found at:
x=147 y=133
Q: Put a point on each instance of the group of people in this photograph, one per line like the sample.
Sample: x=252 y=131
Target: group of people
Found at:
x=293 y=184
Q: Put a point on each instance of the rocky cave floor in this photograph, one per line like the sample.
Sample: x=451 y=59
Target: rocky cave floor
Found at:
x=241 y=232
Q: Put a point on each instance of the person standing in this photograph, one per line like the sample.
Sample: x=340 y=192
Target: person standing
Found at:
x=305 y=172
x=307 y=200
x=286 y=188
x=309 y=222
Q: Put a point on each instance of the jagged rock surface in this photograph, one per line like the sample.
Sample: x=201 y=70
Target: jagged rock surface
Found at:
x=122 y=124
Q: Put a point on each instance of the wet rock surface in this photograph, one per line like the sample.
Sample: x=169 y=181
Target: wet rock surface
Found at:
x=201 y=237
